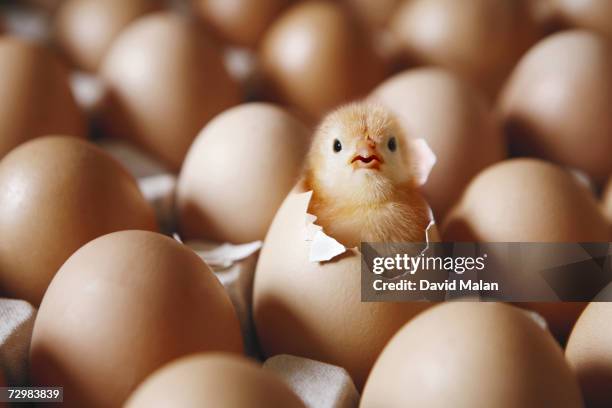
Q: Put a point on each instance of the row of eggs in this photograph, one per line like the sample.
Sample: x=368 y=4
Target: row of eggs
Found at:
x=220 y=197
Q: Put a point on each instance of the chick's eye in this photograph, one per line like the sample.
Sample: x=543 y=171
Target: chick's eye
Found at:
x=392 y=144
x=337 y=145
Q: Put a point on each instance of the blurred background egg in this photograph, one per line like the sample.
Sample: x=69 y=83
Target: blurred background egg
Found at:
x=240 y=22
x=479 y=39
x=607 y=204
x=56 y=194
x=588 y=352
x=213 y=380
x=238 y=171
x=314 y=309
x=35 y=96
x=595 y=15
x=166 y=80
x=557 y=103
x=374 y=14
x=315 y=57
x=454 y=119
x=121 y=307
x=85 y=29
x=528 y=200
x=489 y=355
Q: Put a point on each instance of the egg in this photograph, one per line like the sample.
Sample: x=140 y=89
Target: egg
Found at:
x=36 y=97
x=556 y=105
x=85 y=29
x=313 y=309
x=472 y=355
x=238 y=171
x=211 y=380
x=374 y=14
x=595 y=15
x=166 y=80
x=607 y=204
x=455 y=120
x=56 y=194
x=315 y=57
x=588 y=352
x=479 y=39
x=122 y=306
x=241 y=22
x=528 y=200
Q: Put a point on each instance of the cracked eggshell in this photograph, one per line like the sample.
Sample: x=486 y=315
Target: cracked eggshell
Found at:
x=241 y=22
x=454 y=119
x=470 y=354
x=85 y=29
x=556 y=104
x=56 y=194
x=588 y=352
x=213 y=380
x=122 y=306
x=166 y=80
x=36 y=96
x=314 y=309
x=315 y=57
x=479 y=39
x=238 y=171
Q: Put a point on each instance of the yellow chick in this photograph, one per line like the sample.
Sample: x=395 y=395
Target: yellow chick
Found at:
x=364 y=178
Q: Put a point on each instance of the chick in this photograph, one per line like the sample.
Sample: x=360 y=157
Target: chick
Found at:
x=364 y=178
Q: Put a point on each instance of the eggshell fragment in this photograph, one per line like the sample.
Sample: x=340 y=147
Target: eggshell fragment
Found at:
x=528 y=200
x=213 y=380
x=121 y=307
x=313 y=309
x=85 y=29
x=588 y=352
x=166 y=80
x=56 y=194
x=556 y=105
x=456 y=122
x=479 y=39
x=595 y=15
x=238 y=171
x=36 y=98
x=470 y=355
x=315 y=57
x=241 y=22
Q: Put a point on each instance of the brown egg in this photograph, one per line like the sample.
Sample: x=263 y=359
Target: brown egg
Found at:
x=374 y=14
x=588 y=352
x=121 y=307
x=557 y=102
x=238 y=171
x=56 y=194
x=472 y=355
x=595 y=15
x=313 y=309
x=479 y=39
x=456 y=122
x=528 y=200
x=316 y=57
x=36 y=98
x=607 y=204
x=241 y=22
x=525 y=200
x=213 y=380
x=166 y=80
x=85 y=29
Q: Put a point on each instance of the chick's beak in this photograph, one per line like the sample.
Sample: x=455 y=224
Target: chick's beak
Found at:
x=366 y=156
